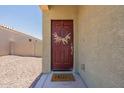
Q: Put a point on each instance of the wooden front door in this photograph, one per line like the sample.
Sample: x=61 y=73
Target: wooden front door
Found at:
x=62 y=44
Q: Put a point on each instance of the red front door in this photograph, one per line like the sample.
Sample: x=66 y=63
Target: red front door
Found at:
x=62 y=44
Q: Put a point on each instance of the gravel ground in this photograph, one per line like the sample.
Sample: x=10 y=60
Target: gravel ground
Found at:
x=19 y=72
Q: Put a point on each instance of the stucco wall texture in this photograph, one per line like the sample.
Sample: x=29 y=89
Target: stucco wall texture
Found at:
x=101 y=45
x=98 y=42
x=16 y=43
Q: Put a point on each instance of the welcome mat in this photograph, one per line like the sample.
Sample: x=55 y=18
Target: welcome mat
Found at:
x=63 y=77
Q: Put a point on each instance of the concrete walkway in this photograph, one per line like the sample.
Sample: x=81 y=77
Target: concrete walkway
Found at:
x=45 y=82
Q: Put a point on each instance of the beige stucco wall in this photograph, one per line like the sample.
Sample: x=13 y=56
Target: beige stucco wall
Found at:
x=56 y=12
x=4 y=43
x=16 y=43
x=101 y=45
x=26 y=48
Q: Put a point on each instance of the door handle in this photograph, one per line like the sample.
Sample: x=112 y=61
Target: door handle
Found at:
x=71 y=49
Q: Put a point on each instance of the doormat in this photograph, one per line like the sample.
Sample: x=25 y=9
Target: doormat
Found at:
x=62 y=77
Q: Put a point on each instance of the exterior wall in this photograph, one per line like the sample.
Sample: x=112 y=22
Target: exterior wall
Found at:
x=4 y=43
x=60 y=13
x=25 y=48
x=38 y=48
x=16 y=43
x=101 y=45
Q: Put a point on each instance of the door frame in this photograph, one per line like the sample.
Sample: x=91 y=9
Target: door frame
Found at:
x=73 y=62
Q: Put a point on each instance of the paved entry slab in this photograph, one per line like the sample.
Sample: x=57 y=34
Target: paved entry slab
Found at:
x=45 y=82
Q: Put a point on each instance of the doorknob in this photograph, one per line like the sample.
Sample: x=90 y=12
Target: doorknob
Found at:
x=71 y=49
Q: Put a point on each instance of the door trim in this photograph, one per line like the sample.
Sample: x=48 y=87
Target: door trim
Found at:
x=73 y=44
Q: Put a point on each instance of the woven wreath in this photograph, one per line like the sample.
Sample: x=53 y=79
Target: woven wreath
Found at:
x=59 y=39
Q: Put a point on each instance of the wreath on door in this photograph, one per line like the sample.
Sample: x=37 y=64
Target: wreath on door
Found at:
x=59 y=39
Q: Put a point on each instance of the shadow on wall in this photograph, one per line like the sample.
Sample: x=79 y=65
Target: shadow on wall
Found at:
x=17 y=43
